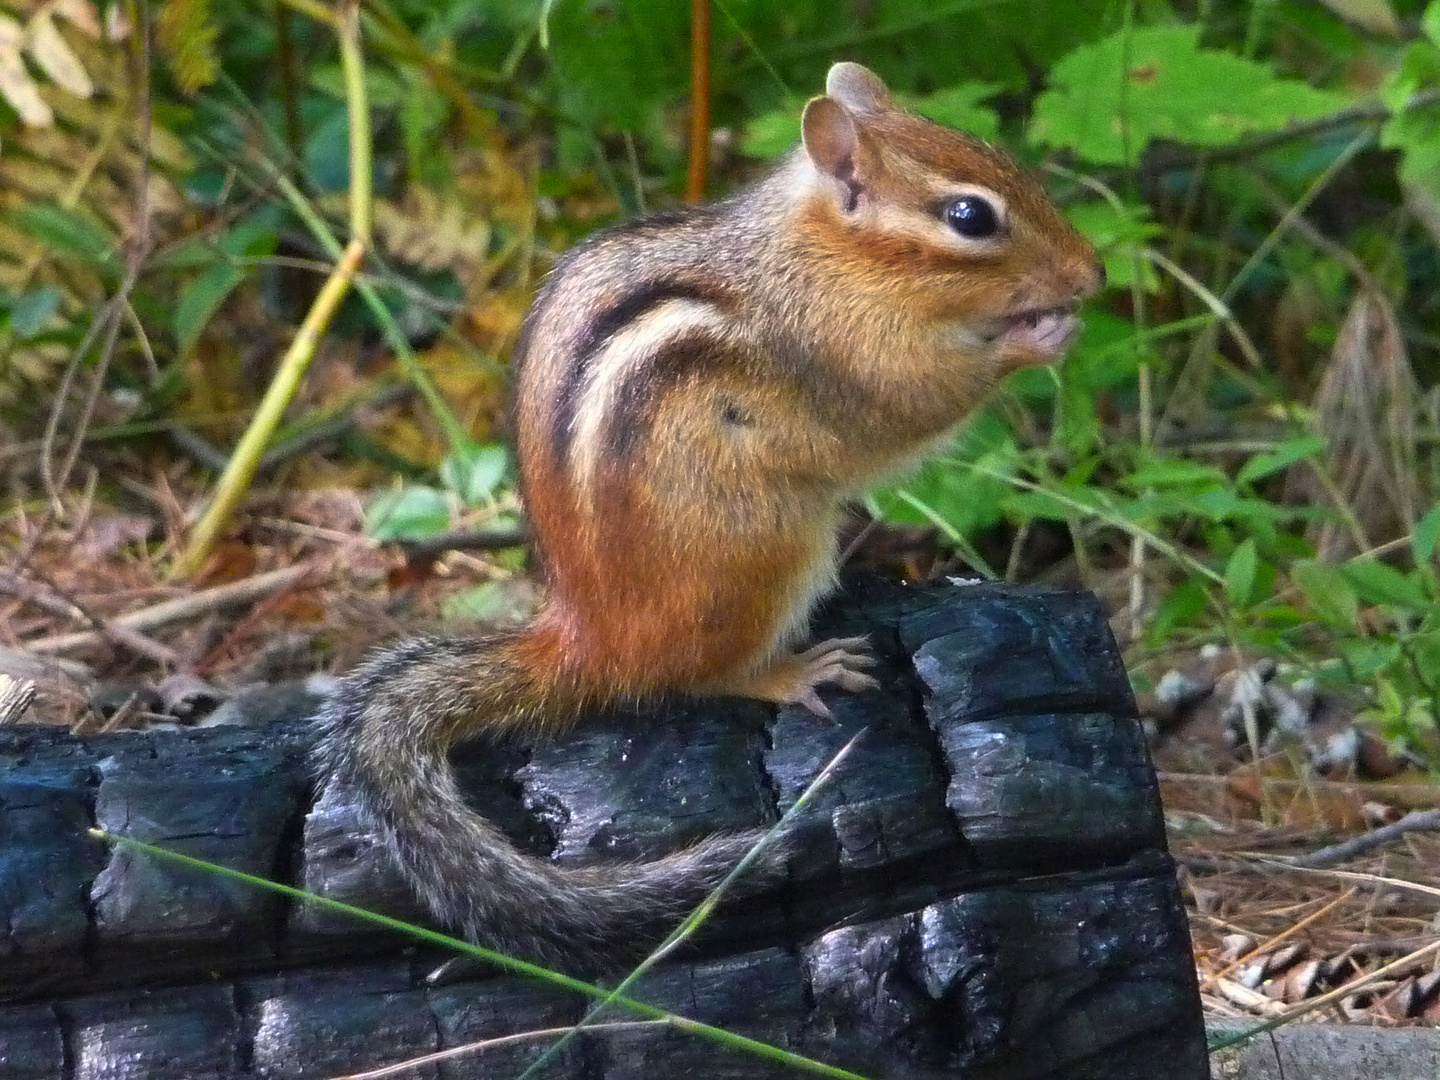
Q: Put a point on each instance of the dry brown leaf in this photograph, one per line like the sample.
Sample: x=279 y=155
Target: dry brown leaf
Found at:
x=1373 y=16
x=82 y=15
x=54 y=57
x=433 y=231
x=16 y=86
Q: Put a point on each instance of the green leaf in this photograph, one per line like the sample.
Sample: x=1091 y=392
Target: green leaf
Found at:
x=1424 y=650
x=186 y=34
x=772 y=134
x=199 y=301
x=1240 y=573
x=1181 y=606
x=1367 y=657
x=1430 y=22
x=1109 y=99
x=201 y=298
x=1282 y=457
x=408 y=514
x=32 y=310
x=1414 y=132
x=1427 y=532
x=1419 y=67
x=253 y=237
x=959 y=107
x=1078 y=421
x=1328 y=594
x=1104 y=357
x=1376 y=583
x=1173 y=472
x=66 y=232
x=475 y=472
x=1117 y=232
x=1217 y=504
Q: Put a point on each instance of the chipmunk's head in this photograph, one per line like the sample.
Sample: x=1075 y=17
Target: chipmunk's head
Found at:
x=942 y=225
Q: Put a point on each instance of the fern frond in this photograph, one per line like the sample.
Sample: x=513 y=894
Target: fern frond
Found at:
x=185 y=32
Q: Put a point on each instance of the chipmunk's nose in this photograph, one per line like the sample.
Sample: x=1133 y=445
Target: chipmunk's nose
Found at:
x=1088 y=276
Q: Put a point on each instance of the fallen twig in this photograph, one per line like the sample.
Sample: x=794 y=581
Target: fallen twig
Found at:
x=15 y=697
x=22 y=664
x=488 y=539
x=57 y=603
x=1347 y=875
x=1415 y=821
x=1243 y=996
x=207 y=664
x=183 y=607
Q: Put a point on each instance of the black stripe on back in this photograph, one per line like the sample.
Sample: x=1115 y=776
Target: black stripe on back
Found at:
x=604 y=326
x=633 y=412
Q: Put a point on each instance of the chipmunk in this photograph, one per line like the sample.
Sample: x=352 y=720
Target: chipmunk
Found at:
x=698 y=393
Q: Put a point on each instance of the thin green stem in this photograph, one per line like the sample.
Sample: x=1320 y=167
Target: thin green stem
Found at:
x=450 y=427
x=954 y=535
x=697 y=918
x=1293 y=214
x=720 y=1036
x=245 y=460
x=1115 y=520
x=361 y=172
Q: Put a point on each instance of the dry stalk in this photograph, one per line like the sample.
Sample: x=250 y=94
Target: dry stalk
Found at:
x=245 y=461
x=184 y=607
x=1365 y=408
x=481 y=1045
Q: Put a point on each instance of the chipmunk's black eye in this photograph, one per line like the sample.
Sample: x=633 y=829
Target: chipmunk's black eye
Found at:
x=972 y=216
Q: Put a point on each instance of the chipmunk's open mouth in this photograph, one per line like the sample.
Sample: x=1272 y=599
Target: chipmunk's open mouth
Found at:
x=1047 y=332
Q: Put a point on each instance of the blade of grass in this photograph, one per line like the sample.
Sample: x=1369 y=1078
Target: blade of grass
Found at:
x=481 y=1045
x=1114 y=520
x=696 y=918
x=954 y=535
x=450 y=426
x=719 y=1036
x=1262 y=251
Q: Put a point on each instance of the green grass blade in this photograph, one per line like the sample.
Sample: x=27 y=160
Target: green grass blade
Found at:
x=718 y=1036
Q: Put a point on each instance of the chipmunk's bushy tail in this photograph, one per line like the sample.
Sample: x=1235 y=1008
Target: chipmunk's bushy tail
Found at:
x=384 y=736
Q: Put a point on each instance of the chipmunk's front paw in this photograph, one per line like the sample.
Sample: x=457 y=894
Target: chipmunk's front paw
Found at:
x=794 y=679
x=838 y=662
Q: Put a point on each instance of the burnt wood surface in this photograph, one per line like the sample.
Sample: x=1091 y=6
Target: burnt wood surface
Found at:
x=982 y=891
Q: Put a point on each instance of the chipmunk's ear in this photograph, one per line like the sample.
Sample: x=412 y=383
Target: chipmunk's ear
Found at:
x=828 y=132
x=858 y=88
